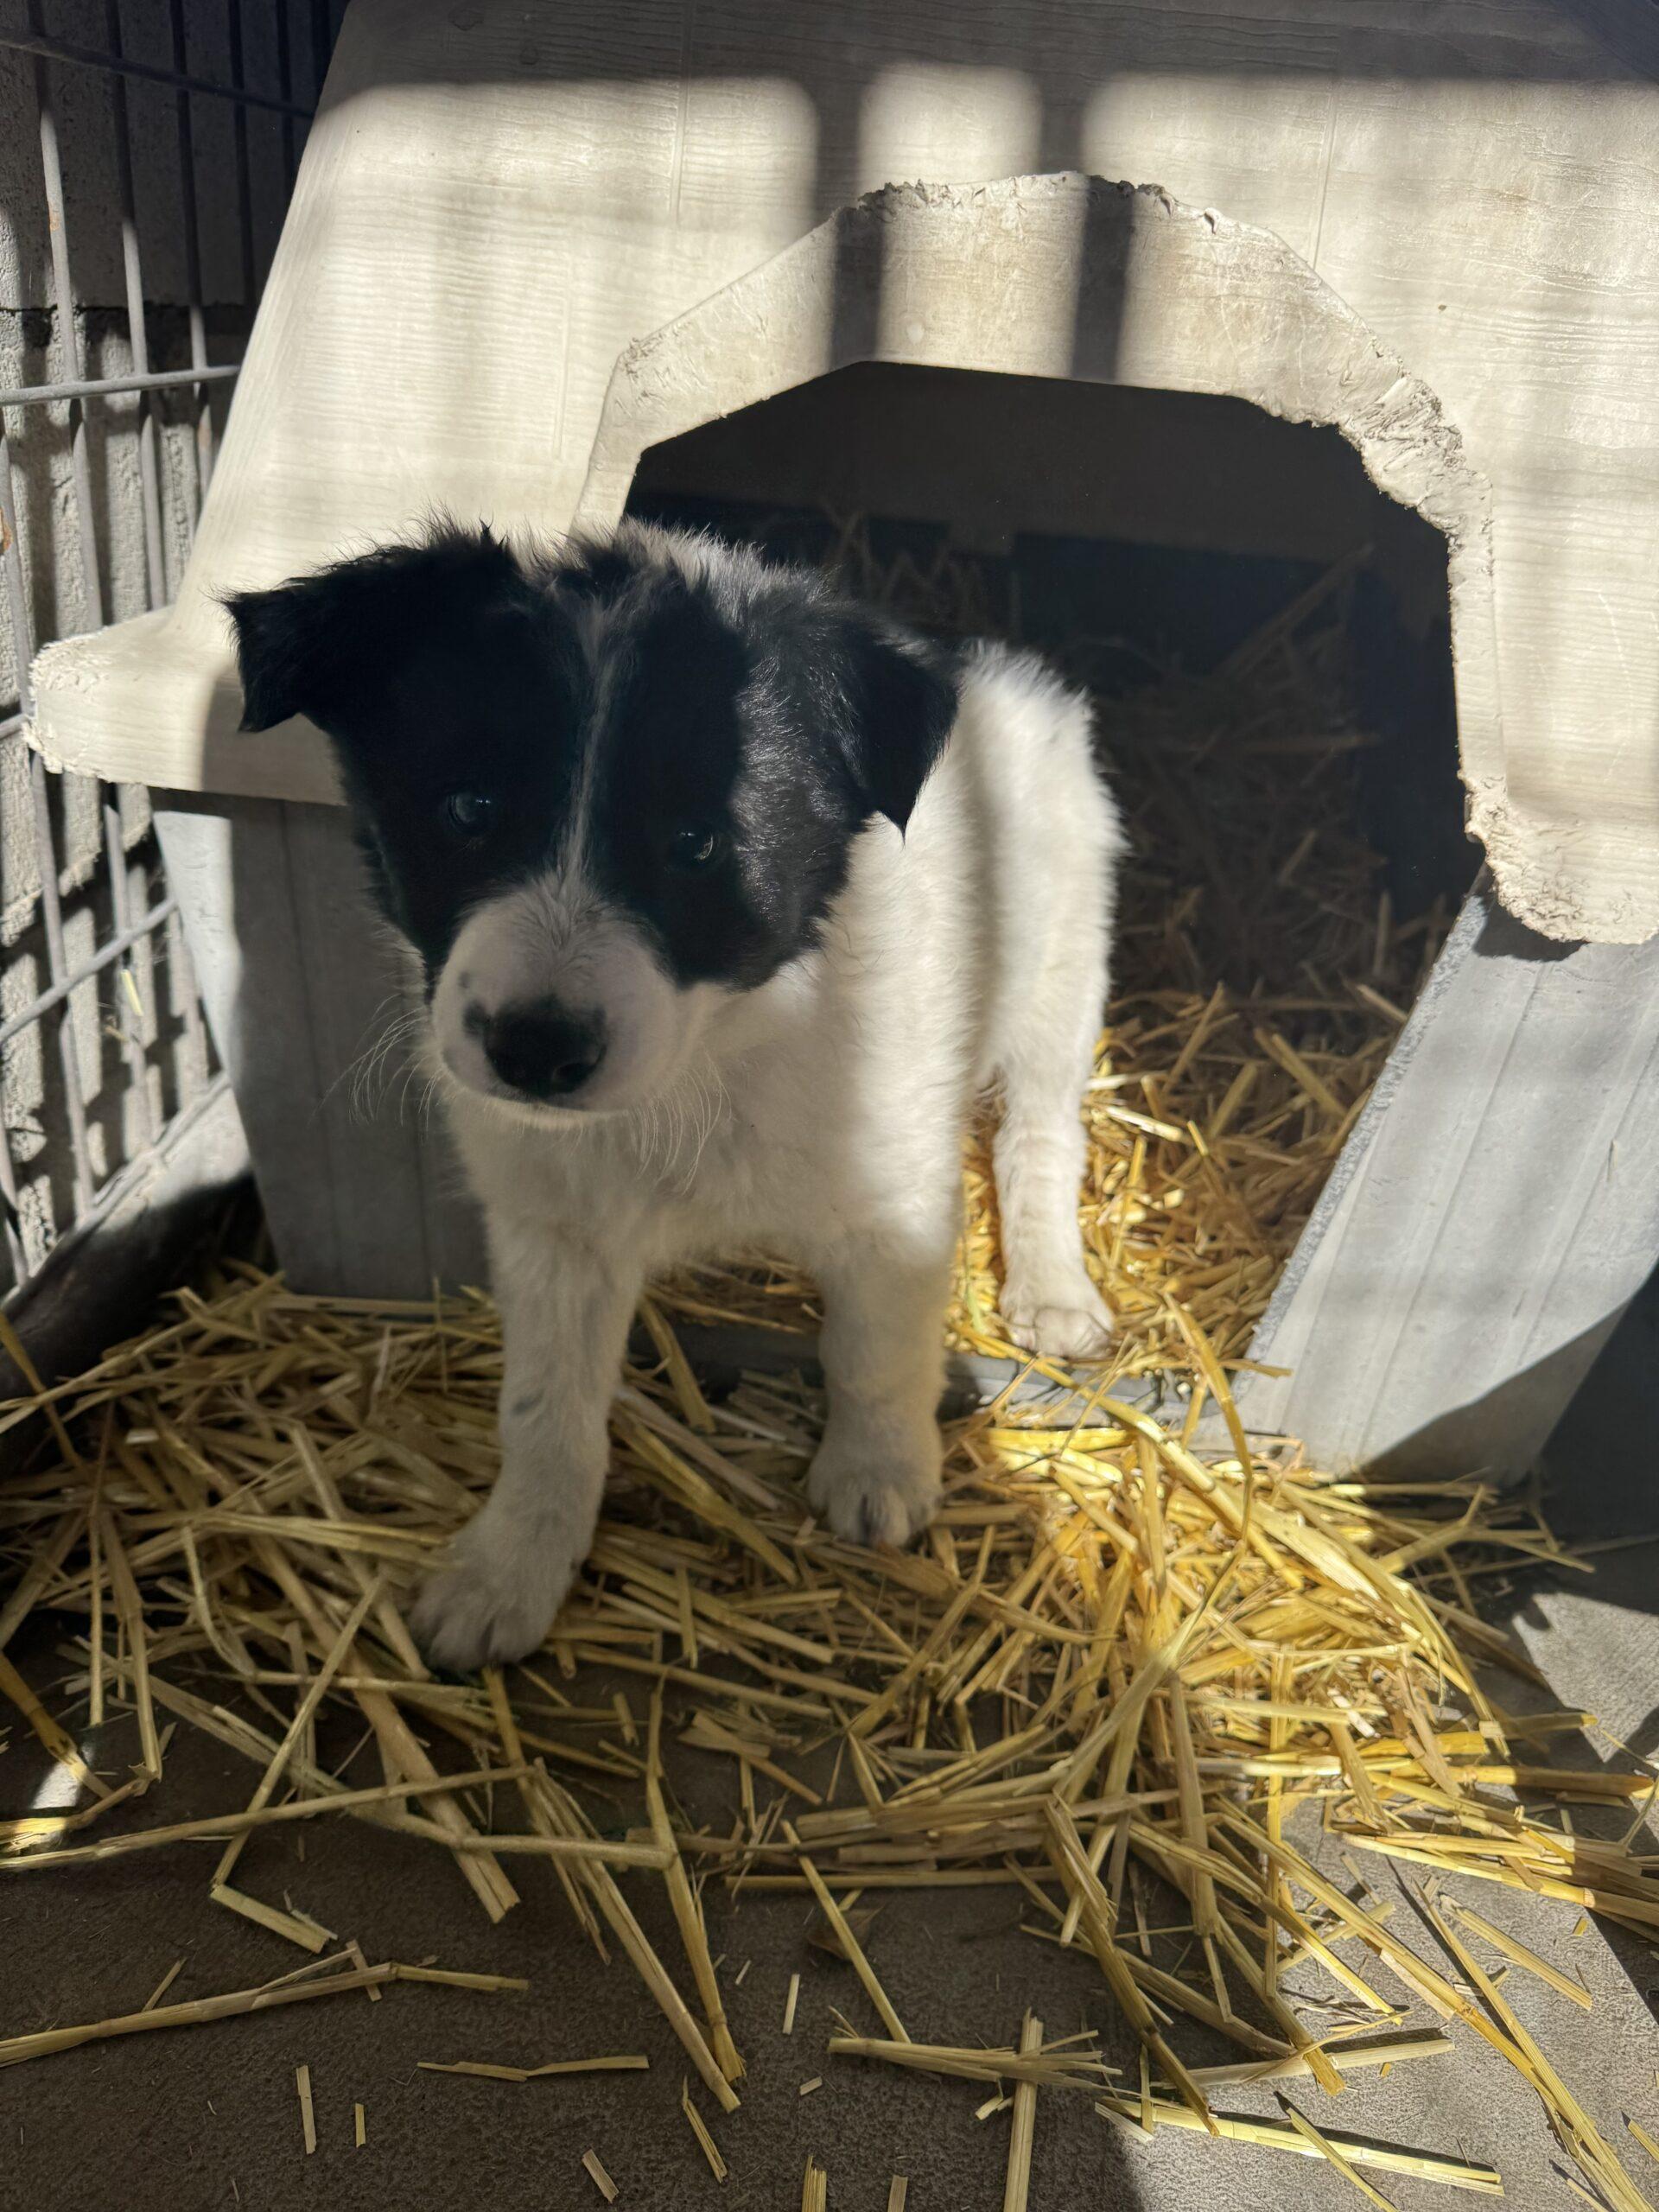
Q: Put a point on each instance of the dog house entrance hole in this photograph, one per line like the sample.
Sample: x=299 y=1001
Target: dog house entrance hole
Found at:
x=1267 y=639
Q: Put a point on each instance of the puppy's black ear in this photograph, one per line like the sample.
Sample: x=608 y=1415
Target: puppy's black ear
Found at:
x=895 y=699
x=284 y=639
x=319 y=645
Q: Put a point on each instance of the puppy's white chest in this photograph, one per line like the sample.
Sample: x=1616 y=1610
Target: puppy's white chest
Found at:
x=754 y=1182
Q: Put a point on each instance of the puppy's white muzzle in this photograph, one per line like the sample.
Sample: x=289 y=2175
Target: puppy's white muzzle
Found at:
x=552 y=999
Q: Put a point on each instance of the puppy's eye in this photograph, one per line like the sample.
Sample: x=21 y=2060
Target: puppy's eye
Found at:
x=694 y=845
x=469 y=814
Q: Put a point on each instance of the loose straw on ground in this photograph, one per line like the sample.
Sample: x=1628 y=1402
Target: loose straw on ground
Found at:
x=1137 y=1654
x=705 y=2142
x=1016 y=2188
x=1280 y=2135
x=1332 y=2155
x=489 y=2070
x=853 y=1951
x=200 y=2010
x=601 y=2179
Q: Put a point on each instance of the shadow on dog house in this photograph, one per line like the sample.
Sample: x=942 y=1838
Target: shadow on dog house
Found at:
x=518 y=258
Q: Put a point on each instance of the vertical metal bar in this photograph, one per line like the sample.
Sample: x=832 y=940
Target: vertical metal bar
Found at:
x=11 y=564
x=71 y=355
x=16 y=1251
x=285 y=86
x=137 y=331
x=125 y=972
x=322 y=39
x=45 y=848
x=115 y=850
x=203 y=402
x=58 y=967
x=10 y=1204
x=188 y=993
x=174 y=946
x=244 y=194
x=65 y=305
x=71 y=363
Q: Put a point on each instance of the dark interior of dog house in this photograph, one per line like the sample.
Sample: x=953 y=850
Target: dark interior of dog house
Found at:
x=1194 y=1795
x=1265 y=638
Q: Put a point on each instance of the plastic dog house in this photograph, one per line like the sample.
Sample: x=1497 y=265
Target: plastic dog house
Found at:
x=524 y=250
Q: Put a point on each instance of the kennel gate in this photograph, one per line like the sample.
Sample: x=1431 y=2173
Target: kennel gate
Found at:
x=148 y=158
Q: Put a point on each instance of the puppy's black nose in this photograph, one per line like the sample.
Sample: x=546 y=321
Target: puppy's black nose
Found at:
x=543 y=1051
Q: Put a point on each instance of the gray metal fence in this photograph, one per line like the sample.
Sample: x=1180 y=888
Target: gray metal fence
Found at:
x=146 y=152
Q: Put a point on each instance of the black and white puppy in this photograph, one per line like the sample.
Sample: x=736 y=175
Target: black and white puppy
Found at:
x=727 y=899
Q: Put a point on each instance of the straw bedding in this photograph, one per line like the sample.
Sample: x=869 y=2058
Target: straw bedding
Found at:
x=1262 y=977
x=1112 y=1652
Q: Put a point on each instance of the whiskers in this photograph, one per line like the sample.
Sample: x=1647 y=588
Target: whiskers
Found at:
x=670 y=1131
x=400 y=1071
x=399 y=1053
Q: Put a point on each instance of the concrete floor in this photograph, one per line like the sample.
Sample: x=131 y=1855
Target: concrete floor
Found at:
x=208 y=2117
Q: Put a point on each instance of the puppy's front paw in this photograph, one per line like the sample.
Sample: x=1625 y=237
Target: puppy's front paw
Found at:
x=872 y=1493
x=1063 y=1320
x=493 y=1599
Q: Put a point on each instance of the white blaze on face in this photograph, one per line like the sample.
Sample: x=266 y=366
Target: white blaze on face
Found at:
x=552 y=943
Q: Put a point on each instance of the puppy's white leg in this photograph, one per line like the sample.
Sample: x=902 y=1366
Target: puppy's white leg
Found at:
x=566 y=1304
x=876 y=1476
x=1049 y=1303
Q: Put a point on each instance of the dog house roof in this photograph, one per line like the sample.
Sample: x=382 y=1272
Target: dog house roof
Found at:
x=1443 y=246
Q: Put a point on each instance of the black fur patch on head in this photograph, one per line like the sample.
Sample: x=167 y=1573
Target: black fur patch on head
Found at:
x=702 y=737
x=320 y=644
